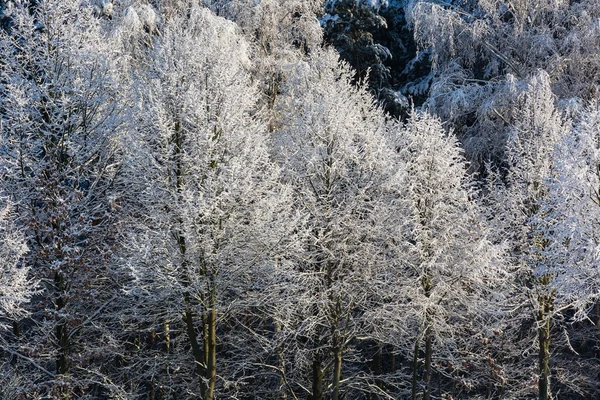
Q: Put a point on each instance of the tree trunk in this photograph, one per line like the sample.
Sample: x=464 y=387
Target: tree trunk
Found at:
x=377 y=367
x=196 y=351
x=337 y=371
x=281 y=362
x=62 y=335
x=167 y=335
x=544 y=343
x=428 y=357
x=62 y=364
x=211 y=348
x=317 y=381
x=200 y=359
x=415 y=372
x=205 y=339
x=428 y=335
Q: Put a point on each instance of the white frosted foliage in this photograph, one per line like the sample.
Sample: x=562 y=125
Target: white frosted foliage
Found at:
x=16 y=288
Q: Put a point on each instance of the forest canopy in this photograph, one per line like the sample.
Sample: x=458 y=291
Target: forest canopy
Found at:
x=299 y=199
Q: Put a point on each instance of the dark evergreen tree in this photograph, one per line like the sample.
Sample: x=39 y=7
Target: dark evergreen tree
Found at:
x=375 y=38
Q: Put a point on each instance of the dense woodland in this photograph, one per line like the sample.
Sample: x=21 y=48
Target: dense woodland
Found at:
x=299 y=199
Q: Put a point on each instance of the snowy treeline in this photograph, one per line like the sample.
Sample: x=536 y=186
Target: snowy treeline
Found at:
x=202 y=200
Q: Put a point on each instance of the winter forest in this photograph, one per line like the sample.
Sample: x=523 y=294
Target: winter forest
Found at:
x=299 y=199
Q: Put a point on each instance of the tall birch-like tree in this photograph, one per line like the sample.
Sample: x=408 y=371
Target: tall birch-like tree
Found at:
x=59 y=119
x=530 y=152
x=211 y=210
x=446 y=267
x=564 y=257
x=333 y=147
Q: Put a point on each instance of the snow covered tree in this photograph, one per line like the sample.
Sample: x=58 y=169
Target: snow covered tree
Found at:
x=333 y=147
x=276 y=27
x=349 y=25
x=58 y=120
x=132 y=30
x=279 y=34
x=16 y=288
x=480 y=49
x=523 y=217
x=571 y=214
x=564 y=256
x=446 y=267
x=376 y=39
x=198 y=200
x=210 y=210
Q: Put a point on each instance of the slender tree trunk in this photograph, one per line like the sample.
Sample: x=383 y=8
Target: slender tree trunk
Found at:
x=415 y=371
x=205 y=339
x=377 y=360
x=211 y=347
x=200 y=361
x=337 y=371
x=544 y=320
x=428 y=358
x=197 y=352
x=377 y=366
x=16 y=328
x=62 y=334
x=167 y=335
x=317 y=381
x=281 y=362
x=428 y=336
x=62 y=364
